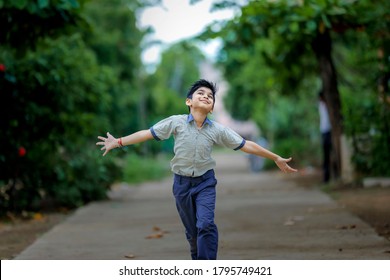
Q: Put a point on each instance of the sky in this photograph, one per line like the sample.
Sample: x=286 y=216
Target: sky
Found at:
x=176 y=20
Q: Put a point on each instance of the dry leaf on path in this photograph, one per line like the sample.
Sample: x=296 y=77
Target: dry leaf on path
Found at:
x=156 y=228
x=37 y=217
x=347 y=227
x=155 y=236
x=159 y=233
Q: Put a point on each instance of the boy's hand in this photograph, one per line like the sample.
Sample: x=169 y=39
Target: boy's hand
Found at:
x=282 y=164
x=108 y=143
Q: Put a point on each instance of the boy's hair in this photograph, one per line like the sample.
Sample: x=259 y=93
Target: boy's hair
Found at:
x=202 y=83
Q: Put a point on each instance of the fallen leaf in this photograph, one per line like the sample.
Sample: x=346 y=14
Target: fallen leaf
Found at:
x=346 y=227
x=156 y=228
x=12 y=217
x=155 y=236
x=37 y=217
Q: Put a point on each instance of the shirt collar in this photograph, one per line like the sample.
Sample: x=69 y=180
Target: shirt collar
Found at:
x=190 y=118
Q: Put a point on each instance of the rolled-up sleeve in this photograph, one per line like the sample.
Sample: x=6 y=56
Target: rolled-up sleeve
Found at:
x=154 y=134
x=241 y=145
x=164 y=128
x=230 y=139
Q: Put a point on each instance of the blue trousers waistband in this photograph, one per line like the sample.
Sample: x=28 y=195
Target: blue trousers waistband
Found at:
x=205 y=176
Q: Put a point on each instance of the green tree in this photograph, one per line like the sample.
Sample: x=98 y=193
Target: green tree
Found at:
x=24 y=22
x=365 y=102
x=54 y=98
x=299 y=28
x=288 y=121
x=178 y=69
x=57 y=96
x=116 y=41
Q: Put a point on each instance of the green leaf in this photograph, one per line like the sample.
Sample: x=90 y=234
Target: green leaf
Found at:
x=20 y=4
x=32 y=8
x=294 y=27
x=74 y=4
x=43 y=3
x=40 y=78
x=334 y=11
x=10 y=78
x=326 y=21
x=311 y=25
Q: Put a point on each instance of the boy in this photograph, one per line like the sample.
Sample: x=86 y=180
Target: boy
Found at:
x=192 y=165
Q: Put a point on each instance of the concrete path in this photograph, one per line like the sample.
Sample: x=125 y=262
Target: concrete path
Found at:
x=259 y=216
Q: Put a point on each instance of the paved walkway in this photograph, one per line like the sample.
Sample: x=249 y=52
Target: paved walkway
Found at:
x=259 y=216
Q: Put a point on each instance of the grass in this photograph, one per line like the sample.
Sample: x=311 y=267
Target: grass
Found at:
x=139 y=169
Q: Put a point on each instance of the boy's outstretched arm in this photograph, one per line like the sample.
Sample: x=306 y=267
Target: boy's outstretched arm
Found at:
x=251 y=147
x=111 y=142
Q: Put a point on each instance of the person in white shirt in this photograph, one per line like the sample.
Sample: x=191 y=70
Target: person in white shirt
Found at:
x=326 y=133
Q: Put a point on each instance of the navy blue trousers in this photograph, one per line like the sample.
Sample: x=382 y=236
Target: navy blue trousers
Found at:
x=195 y=202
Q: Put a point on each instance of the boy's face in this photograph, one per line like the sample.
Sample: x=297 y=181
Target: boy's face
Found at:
x=202 y=98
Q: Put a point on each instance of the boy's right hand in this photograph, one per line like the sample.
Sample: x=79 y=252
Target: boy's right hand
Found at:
x=108 y=143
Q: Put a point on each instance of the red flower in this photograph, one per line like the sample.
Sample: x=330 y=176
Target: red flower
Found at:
x=2 y=68
x=22 y=151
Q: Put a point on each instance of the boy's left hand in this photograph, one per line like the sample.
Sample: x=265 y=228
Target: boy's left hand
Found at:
x=282 y=164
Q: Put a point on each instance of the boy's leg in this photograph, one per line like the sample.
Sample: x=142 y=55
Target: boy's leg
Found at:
x=207 y=230
x=195 y=202
x=186 y=208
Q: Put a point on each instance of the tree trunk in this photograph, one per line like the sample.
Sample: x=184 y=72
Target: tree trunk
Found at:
x=322 y=46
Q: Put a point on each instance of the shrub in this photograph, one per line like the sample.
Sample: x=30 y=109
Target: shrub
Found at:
x=55 y=100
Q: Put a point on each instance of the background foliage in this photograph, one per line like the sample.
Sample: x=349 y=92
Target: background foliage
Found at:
x=70 y=70
x=59 y=94
x=270 y=55
x=77 y=76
